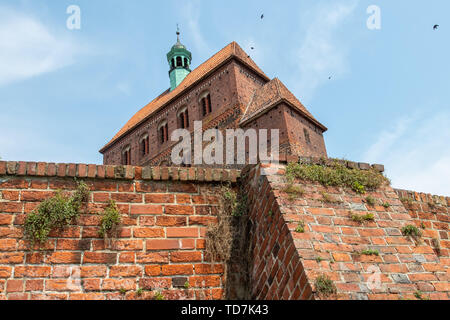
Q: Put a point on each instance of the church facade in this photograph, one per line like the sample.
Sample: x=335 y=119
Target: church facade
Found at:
x=228 y=91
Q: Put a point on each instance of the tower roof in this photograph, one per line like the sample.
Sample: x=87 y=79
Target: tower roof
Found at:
x=269 y=96
x=232 y=50
x=178 y=48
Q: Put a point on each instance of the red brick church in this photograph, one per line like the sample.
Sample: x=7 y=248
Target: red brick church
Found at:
x=227 y=91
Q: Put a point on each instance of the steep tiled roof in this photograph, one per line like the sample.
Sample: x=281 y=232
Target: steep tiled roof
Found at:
x=268 y=96
x=231 y=50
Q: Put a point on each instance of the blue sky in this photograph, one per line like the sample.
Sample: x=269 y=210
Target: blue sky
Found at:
x=64 y=93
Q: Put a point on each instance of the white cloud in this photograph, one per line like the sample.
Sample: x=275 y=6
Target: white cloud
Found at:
x=28 y=48
x=416 y=153
x=124 y=88
x=192 y=12
x=321 y=55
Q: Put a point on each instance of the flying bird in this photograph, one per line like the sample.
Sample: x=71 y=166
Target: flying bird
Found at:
x=435 y=27
x=262 y=16
x=329 y=78
x=252 y=48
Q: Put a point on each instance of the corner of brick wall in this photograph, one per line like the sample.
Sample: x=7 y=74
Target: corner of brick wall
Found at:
x=287 y=263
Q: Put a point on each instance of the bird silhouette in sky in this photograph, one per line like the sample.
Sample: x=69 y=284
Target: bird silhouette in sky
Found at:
x=435 y=27
x=262 y=16
x=252 y=48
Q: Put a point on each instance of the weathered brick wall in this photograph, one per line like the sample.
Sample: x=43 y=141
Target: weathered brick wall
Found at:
x=277 y=272
x=431 y=212
x=160 y=245
x=286 y=263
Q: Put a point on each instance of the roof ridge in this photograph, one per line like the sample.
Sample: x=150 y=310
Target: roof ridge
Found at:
x=249 y=103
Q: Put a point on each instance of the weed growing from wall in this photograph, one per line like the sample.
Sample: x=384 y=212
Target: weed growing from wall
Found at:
x=370 y=201
x=227 y=241
x=338 y=175
x=363 y=218
x=324 y=285
x=110 y=220
x=300 y=227
x=370 y=252
x=327 y=198
x=54 y=213
x=413 y=232
x=293 y=191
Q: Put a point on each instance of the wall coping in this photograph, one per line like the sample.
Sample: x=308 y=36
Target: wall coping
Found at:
x=423 y=197
x=286 y=158
x=93 y=171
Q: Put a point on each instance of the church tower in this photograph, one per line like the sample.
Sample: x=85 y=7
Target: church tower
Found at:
x=179 y=59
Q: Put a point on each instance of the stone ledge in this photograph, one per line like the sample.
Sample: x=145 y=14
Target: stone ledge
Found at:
x=286 y=158
x=92 y=171
x=423 y=197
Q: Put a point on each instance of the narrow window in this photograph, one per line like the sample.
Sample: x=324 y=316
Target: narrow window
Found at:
x=179 y=62
x=126 y=157
x=166 y=128
x=161 y=134
x=185 y=62
x=209 y=104
x=186 y=119
x=307 y=138
x=204 y=106
x=182 y=122
x=144 y=146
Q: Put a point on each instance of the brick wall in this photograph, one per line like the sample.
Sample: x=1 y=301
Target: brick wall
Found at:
x=160 y=245
x=431 y=212
x=286 y=263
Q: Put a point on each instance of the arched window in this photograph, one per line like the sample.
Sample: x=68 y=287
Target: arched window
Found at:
x=163 y=132
x=183 y=118
x=144 y=145
x=173 y=63
x=205 y=102
x=126 y=156
x=179 y=62
x=185 y=62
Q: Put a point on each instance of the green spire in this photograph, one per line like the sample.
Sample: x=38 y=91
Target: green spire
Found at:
x=179 y=59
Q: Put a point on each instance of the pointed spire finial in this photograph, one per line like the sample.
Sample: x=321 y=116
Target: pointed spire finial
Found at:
x=178 y=33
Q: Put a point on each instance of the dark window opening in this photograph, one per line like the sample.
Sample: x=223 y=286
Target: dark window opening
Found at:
x=206 y=105
x=164 y=133
x=145 y=146
x=183 y=119
x=179 y=62
x=126 y=157
x=307 y=138
x=185 y=62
